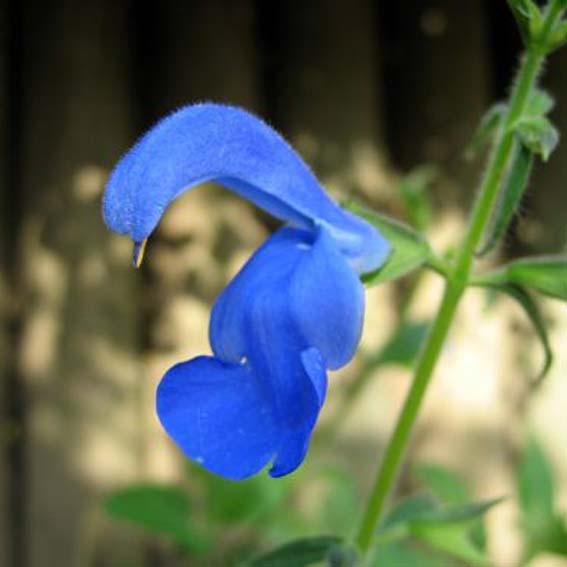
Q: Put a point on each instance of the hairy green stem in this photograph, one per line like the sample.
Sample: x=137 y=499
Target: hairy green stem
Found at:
x=457 y=280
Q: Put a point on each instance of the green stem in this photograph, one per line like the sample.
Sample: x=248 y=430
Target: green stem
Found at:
x=457 y=281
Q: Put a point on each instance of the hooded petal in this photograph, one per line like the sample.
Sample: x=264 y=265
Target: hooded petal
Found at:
x=294 y=309
x=220 y=414
x=223 y=143
x=327 y=300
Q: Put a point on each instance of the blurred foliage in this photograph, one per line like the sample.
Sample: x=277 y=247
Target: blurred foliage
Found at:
x=438 y=526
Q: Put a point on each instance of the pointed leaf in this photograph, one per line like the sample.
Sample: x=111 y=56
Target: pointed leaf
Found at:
x=535 y=487
x=487 y=129
x=458 y=513
x=538 y=134
x=410 y=249
x=298 y=553
x=245 y=501
x=403 y=346
x=162 y=510
x=532 y=311
x=445 y=484
x=403 y=555
x=414 y=191
x=510 y=197
x=452 y=539
x=408 y=510
x=545 y=274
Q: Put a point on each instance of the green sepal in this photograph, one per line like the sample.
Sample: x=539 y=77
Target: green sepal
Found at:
x=410 y=250
x=486 y=130
x=538 y=134
x=298 y=553
x=510 y=196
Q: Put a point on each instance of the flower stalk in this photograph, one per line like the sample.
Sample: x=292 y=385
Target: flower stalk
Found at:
x=457 y=279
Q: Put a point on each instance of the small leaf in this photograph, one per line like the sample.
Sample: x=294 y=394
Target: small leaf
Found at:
x=458 y=513
x=413 y=189
x=559 y=36
x=159 y=509
x=545 y=274
x=538 y=134
x=540 y=103
x=298 y=553
x=535 y=487
x=403 y=346
x=532 y=311
x=408 y=510
x=510 y=196
x=528 y=17
x=487 y=129
x=445 y=484
x=245 y=501
x=451 y=539
x=410 y=249
x=403 y=555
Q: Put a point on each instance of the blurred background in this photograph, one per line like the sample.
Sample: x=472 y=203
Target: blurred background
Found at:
x=381 y=98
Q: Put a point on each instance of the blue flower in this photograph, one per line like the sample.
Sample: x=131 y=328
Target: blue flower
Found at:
x=294 y=310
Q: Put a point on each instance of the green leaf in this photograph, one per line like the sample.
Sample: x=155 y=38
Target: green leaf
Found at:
x=403 y=555
x=445 y=484
x=532 y=311
x=545 y=274
x=162 y=510
x=338 y=509
x=528 y=16
x=410 y=249
x=535 y=487
x=451 y=539
x=559 y=36
x=299 y=553
x=543 y=530
x=408 y=510
x=487 y=129
x=540 y=103
x=538 y=134
x=247 y=501
x=403 y=346
x=414 y=191
x=458 y=513
x=510 y=196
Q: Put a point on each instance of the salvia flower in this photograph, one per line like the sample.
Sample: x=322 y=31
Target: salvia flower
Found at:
x=294 y=310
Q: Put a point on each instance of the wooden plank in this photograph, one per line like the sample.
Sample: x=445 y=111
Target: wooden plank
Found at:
x=78 y=353
x=325 y=90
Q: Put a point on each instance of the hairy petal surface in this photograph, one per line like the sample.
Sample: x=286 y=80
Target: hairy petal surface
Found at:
x=216 y=142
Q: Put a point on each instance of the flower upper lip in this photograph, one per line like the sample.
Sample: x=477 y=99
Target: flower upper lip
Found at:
x=210 y=141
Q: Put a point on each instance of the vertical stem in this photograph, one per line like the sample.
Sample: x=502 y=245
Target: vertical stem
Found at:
x=456 y=282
